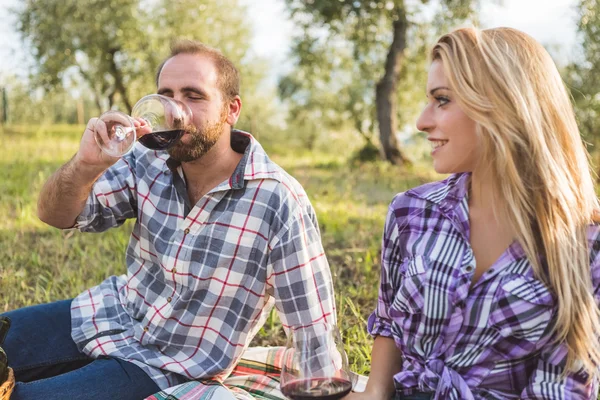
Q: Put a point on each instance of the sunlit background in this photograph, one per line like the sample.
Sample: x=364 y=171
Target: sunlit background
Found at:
x=270 y=41
x=309 y=71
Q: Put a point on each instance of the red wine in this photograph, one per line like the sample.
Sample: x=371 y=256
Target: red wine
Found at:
x=317 y=388
x=161 y=140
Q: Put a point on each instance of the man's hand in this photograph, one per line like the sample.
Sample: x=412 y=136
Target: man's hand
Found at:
x=90 y=154
x=64 y=195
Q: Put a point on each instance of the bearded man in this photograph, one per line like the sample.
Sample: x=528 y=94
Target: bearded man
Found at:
x=221 y=235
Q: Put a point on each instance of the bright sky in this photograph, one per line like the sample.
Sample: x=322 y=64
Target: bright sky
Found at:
x=552 y=22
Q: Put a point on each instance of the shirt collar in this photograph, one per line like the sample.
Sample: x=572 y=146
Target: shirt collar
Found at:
x=450 y=198
x=255 y=164
x=447 y=194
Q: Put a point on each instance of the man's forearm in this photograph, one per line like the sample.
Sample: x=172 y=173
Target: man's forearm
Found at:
x=64 y=194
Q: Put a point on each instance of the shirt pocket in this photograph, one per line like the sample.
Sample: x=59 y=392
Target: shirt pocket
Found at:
x=523 y=308
x=409 y=286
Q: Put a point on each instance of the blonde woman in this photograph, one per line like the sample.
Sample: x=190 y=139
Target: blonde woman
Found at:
x=490 y=278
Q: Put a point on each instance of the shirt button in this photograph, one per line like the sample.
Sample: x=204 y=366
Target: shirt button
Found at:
x=169 y=299
x=145 y=329
x=469 y=268
x=187 y=230
x=174 y=270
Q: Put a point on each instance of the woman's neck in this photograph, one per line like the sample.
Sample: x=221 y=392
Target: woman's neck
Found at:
x=485 y=203
x=481 y=196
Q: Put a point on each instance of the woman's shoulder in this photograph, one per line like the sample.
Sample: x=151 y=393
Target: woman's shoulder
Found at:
x=593 y=234
x=451 y=189
x=593 y=237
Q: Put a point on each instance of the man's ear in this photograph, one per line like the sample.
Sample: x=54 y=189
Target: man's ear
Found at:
x=235 y=108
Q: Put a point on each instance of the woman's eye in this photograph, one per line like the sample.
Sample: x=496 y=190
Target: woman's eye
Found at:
x=442 y=100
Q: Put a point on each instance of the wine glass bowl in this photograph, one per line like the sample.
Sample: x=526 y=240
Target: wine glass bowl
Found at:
x=315 y=365
x=164 y=121
x=115 y=133
x=165 y=117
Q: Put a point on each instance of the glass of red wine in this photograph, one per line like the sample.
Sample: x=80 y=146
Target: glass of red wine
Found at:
x=315 y=365
x=163 y=121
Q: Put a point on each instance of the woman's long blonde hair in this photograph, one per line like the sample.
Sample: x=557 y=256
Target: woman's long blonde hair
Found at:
x=507 y=83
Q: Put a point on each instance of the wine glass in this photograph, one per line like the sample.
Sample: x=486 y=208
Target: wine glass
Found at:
x=115 y=133
x=315 y=365
x=163 y=121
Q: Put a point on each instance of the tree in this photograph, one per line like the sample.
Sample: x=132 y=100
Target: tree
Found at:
x=370 y=39
x=24 y=105
x=112 y=47
x=85 y=38
x=583 y=76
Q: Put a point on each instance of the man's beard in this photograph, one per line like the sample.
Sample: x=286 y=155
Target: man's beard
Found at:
x=200 y=141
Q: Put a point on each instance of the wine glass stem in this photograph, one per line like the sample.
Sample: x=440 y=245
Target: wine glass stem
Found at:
x=121 y=132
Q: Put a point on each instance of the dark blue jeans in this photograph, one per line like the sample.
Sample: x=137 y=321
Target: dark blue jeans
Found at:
x=48 y=365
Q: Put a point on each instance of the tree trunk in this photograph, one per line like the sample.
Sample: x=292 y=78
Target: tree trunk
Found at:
x=4 y=99
x=385 y=94
x=98 y=103
x=111 y=99
x=97 y=96
x=119 y=86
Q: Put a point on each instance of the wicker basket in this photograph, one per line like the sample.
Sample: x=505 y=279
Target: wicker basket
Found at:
x=8 y=386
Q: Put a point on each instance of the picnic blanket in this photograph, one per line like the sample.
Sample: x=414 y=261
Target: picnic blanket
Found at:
x=255 y=377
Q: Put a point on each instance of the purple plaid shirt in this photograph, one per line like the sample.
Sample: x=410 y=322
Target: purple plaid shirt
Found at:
x=491 y=341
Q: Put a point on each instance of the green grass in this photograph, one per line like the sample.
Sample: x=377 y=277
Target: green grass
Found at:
x=42 y=264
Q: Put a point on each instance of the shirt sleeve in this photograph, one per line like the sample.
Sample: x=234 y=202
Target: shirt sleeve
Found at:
x=299 y=274
x=380 y=322
x=113 y=198
x=548 y=383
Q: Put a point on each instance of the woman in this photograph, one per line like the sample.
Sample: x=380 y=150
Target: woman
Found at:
x=490 y=278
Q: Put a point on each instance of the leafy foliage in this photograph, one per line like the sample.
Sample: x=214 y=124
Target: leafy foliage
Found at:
x=583 y=76
x=340 y=57
x=92 y=37
x=112 y=48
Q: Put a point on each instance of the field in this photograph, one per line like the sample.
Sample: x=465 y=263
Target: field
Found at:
x=42 y=264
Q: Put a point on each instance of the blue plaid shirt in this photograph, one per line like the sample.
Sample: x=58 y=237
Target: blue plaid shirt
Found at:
x=202 y=278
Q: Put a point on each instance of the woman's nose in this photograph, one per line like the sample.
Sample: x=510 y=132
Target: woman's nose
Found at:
x=425 y=120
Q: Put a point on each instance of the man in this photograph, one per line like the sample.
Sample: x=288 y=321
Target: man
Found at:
x=221 y=234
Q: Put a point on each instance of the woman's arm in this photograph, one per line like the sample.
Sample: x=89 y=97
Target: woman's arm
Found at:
x=386 y=361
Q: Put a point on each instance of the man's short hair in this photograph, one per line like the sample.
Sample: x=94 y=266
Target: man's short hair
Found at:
x=228 y=77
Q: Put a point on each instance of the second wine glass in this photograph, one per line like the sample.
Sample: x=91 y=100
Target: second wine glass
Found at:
x=315 y=365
